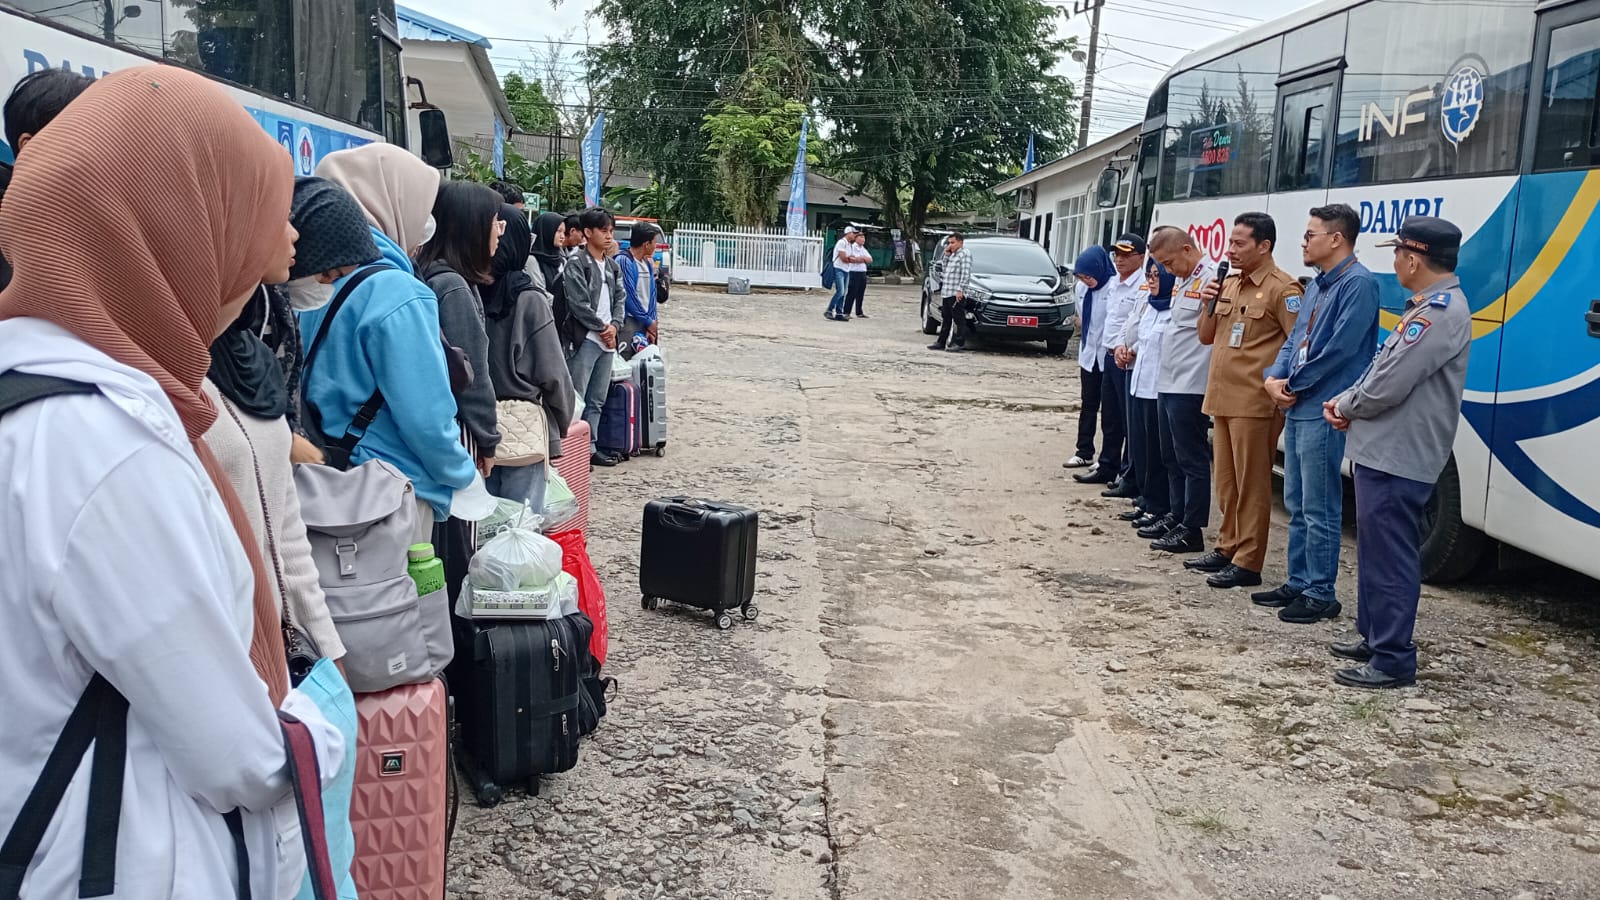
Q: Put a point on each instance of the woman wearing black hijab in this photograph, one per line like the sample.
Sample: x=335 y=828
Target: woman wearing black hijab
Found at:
x=548 y=256
x=527 y=367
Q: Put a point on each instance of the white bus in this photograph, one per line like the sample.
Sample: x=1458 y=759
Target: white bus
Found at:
x=319 y=75
x=1483 y=112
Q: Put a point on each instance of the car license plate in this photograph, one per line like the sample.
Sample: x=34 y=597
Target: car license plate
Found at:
x=1023 y=321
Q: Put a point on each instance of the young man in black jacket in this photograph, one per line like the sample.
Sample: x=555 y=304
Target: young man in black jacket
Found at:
x=596 y=308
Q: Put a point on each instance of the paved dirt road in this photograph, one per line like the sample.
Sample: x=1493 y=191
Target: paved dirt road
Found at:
x=969 y=681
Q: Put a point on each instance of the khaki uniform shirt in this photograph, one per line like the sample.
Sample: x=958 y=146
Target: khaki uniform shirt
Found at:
x=1255 y=315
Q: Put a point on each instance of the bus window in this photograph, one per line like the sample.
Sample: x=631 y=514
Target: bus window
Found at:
x=1446 y=106
x=1219 y=125
x=133 y=25
x=1318 y=42
x=249 y=44
x=1302 y=138
x=1144 y=191
x=1569 y=129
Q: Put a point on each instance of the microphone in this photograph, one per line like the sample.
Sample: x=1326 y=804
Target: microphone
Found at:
x=1222 y=275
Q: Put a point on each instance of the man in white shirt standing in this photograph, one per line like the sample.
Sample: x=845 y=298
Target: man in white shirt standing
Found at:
x=1185 y=368
x=857 y=267
x=843 y=257
x=1119 y=300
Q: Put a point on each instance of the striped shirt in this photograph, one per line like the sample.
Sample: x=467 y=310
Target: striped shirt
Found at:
x=955 y=273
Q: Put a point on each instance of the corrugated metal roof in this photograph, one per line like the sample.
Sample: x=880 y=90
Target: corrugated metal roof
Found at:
x=415 y=26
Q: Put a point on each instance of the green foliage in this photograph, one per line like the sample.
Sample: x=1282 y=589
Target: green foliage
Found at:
x=754 y=135
x=558 y=183
x=534 y=111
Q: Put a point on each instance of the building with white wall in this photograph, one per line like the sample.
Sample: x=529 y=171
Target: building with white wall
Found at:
x=1057 y=203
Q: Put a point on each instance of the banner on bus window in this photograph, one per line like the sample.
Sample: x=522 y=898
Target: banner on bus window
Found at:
x=307 y=144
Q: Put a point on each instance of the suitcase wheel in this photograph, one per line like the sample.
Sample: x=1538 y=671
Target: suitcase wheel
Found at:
x=533 y=786
x=750 y=613
x=489 y=795
x=724 y=621
x=661 y=450
x=650 y=602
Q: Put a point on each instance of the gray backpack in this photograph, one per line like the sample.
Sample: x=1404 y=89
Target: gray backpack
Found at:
x=360 y=524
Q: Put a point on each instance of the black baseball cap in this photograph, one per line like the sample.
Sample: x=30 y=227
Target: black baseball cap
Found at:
x=1433 y=237
x=1130 y=243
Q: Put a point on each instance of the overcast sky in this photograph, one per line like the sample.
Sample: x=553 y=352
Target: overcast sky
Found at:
x=1140 y=39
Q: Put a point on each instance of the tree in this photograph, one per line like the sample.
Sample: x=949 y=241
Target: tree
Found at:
x=534 y=112
x=754 y=135
x=940 y=100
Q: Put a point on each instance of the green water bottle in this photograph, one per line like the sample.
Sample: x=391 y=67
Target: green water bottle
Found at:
x=425 y=569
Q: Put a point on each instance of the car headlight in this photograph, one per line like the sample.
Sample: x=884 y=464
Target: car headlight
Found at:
x=982 y=295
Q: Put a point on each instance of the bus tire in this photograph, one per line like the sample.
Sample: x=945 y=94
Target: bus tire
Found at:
x=1451 y=549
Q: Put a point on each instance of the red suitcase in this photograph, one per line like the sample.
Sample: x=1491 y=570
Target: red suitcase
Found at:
x=573 y=466
x=398 y=809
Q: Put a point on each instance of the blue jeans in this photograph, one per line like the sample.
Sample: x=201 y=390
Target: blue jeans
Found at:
x=840 y=281
x=589 y=364
x=1313 y=491
x=519 y=483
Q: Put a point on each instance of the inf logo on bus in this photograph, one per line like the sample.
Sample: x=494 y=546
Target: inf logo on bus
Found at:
x=1461 y=105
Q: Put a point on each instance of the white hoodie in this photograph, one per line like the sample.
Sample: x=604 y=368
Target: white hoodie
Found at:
x=121 y=559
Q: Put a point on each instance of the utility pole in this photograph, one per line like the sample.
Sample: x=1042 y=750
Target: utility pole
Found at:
x=1079 y=7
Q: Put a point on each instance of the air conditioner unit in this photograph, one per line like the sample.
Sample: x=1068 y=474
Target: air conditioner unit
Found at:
x=1026 y=196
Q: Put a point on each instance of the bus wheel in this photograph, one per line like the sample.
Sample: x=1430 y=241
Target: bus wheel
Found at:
x=1451 y=549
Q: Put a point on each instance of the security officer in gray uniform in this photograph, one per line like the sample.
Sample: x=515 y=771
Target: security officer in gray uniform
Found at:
x=1401 y=417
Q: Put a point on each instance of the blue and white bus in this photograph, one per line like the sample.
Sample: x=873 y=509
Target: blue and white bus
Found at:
x=1485 y=112
x=319 y=75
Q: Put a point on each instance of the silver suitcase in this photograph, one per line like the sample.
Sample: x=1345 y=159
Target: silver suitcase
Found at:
x=650 y=377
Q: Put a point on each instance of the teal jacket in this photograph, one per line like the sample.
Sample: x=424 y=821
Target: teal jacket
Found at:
x=387 y=337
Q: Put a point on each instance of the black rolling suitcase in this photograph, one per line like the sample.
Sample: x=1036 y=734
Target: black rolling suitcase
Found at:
x=699 y=553
x=518 y=687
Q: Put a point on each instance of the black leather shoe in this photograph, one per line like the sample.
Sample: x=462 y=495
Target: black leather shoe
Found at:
x=1093 y=476
x=1158 y=528
x=1365 y=676
x=1304 y=611
x=1215 y=561
x=1234 y=576
x=1121 y=489
x=935 y=346
x=1146 y=520
x=1356 y=650
x=1131 y=514
x=1280 y=596
x=602 y=459
x=1181 y=540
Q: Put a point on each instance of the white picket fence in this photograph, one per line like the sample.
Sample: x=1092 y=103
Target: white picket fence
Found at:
x=766 y=257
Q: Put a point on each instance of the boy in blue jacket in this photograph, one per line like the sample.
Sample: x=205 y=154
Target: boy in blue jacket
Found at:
x=639 y=283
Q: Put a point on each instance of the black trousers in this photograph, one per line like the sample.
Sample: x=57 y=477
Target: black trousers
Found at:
x=1090 y=387
x=1145 y=450
x=1113 y=414
x=1183 y=434
x=856 y=292
x=950 y=312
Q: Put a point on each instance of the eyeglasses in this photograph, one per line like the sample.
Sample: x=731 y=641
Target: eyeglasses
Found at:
x=1311 y=234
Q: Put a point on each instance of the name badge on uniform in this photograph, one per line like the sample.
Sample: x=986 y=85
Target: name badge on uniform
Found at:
x=1300 y=358
x=1236 y=336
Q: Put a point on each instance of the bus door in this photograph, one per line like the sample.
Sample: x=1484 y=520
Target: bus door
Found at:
x=1544 y=483
x=1307 y=102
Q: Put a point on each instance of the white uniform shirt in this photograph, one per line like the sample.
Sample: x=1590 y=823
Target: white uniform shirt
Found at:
x=151 y=589
x=1090 y=357
x=1185 y=362
x=1121 y=298
x=858 y=255
x=1143 y=335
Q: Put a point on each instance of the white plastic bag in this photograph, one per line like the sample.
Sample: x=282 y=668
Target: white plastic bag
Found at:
x=578 y=406
x=651 y=352
x=508 y=514
x=515 y=558
x=560 y=503
x=621 y=369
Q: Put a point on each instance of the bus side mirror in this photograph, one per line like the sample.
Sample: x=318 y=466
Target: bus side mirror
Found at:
x=435 y=134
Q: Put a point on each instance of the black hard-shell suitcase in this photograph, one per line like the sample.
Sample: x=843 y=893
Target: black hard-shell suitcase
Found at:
x=699 y=553
x=519 y=690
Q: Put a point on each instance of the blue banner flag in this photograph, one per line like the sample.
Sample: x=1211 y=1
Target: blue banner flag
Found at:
x=591 y=160
x=1027 y=165
x=797 y=185
x=499 y=148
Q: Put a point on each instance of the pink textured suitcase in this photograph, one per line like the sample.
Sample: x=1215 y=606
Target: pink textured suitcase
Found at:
x=398 y=809
x=573 y=464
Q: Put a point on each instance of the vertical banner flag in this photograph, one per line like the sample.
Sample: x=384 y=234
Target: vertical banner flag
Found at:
x=1027 y=165
x=797 y=186
x=499 y=148
x=590 y=156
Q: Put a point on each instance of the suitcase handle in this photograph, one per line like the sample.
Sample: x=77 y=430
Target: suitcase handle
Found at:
x=681 y=517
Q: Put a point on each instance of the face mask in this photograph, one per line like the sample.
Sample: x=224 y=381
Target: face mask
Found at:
x=306 y=294
x=428 y=228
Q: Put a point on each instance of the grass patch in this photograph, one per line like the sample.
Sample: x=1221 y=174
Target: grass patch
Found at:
x=1561 y=685
x=1206 y=821
x=1372 y=709
x=1529 y=642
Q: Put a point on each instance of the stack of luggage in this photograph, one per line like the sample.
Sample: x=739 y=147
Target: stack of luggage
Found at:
x=634 y=419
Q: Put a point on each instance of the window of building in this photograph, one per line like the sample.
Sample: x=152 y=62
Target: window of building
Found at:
x=1569 y=128
x=1220 y=125
x=1433 y=90
x=1071 y=229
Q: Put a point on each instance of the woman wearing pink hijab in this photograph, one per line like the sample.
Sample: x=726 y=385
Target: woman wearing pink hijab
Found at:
x=131 y=563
